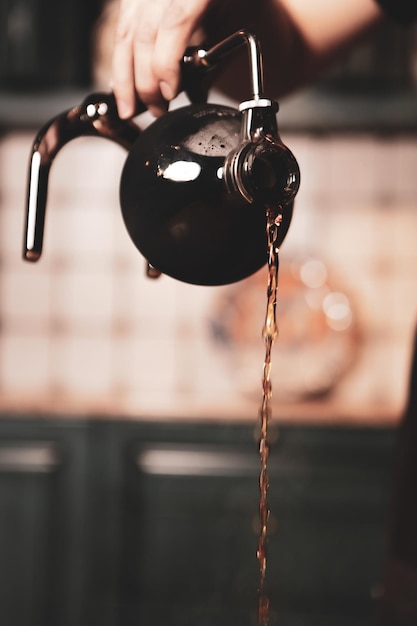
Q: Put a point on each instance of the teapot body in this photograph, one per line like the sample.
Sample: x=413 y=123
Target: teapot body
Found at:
x=198 y=182
x=177 y=208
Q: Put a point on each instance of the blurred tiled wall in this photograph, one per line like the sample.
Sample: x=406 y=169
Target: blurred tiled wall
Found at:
x=85 y=331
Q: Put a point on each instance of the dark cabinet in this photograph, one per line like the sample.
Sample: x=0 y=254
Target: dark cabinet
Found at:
x=118 y=523
x=42 y=523
x=46 y=43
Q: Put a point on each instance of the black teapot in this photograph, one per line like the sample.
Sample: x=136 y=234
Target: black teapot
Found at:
x=197 y=181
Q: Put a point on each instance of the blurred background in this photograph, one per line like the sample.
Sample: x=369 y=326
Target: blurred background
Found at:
x=128 y=405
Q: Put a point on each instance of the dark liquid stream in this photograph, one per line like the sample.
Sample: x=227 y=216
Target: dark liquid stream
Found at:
x=269 y=333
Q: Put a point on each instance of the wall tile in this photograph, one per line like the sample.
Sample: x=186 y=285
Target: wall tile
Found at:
x=87 y=329
x=25 y=364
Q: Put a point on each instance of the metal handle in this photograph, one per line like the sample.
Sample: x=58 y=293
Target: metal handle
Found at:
x=209 y=59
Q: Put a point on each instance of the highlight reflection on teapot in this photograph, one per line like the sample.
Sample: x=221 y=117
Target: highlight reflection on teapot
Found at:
x=196 y=183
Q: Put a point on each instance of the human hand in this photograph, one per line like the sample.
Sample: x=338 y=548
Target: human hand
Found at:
x=151 y=38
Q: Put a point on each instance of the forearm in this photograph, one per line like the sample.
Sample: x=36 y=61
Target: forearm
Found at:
x=300 y=39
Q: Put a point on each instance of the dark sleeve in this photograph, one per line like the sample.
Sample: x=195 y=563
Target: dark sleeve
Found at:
x=401 y=11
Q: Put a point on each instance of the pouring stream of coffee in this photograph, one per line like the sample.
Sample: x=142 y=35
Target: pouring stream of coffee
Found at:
x=270 y=333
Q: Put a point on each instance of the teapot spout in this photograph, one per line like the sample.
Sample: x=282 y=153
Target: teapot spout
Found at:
x=96 y=116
